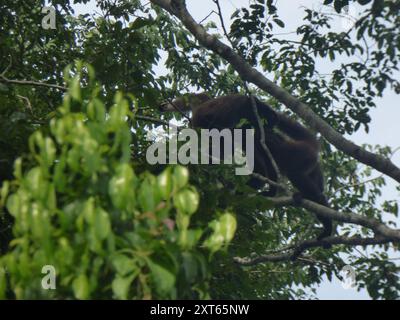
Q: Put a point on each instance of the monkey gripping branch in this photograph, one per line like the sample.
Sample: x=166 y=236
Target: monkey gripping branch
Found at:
x=382 y=233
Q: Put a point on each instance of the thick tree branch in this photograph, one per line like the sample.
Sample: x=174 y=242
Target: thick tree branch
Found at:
x=379 y=228
x=383 y=234
x=250 y=74
x=293 y=253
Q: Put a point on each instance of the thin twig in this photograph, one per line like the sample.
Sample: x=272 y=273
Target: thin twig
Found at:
x=28 y=103
x=221 y=18
x=3 y=74
x=207 y=16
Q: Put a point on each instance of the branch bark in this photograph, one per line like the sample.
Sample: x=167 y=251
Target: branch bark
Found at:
x=293 y=253
x=383 y=234
x=32 y=83
x=152 y=120
x=250 y=74
x=379 y=228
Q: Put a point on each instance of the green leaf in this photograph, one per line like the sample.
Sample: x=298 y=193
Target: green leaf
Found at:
x=124 y=265
x=88 y=211
x=48 y=151
x=3 y=283
x=190 y=266
x=121 y=285
x=140 y=23
x=75 y=89
x=224 y=229
x=121 y=187
x=96 y=110
x=187 y=201
x=340 y=4
x=4 y=192
x=164 y=181
x=4 y=88
x=164 y=279
x=80 y=287
x=181 y=176
x=36 y=182
x=279 y=23
x=102 y=224
x=147 y=196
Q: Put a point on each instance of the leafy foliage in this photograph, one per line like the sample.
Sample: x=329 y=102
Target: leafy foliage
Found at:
x=84 y=198
x=109 y=232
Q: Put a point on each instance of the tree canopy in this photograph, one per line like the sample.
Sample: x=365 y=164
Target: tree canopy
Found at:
x=77 y=104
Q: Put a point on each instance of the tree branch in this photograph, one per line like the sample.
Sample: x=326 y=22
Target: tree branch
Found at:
x=278 y=185
x=31 y=83
x=250 y=74
x=153 y=120
x=376 y=226
x=262 y=136
x=307 y=244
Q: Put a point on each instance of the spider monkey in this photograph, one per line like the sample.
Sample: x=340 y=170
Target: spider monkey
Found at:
x=294 y=148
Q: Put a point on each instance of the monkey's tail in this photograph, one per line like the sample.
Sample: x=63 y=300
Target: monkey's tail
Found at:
x=326 y=232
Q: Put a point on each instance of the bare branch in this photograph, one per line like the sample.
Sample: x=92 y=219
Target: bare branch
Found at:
x=207 y=16
x=221 y=19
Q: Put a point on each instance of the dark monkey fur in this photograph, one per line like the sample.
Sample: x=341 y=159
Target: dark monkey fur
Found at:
x=294 y=147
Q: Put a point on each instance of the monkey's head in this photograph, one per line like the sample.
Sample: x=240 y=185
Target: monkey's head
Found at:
x=185 y=103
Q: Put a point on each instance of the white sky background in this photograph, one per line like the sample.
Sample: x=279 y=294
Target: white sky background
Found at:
x=384 y=127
